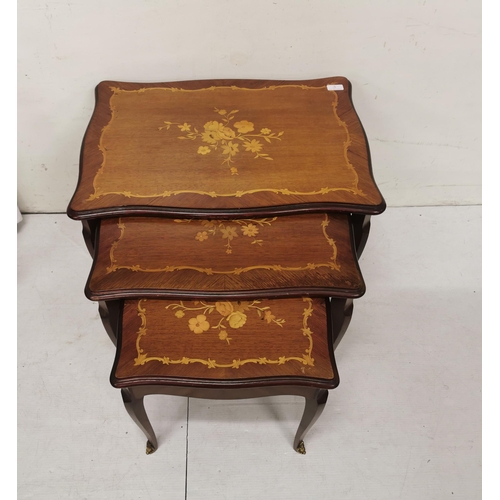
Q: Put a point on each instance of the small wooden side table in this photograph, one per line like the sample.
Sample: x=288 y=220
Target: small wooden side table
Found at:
x=225 y=350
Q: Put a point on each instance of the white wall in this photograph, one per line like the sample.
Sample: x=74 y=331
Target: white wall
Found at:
x=415 y=67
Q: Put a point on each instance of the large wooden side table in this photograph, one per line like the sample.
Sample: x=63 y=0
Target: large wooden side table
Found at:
x=225 y=149
x=244 y=199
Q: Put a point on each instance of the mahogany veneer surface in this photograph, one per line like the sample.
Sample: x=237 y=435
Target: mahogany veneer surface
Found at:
x=223 y=147
x=162 y=340
x=280 y=256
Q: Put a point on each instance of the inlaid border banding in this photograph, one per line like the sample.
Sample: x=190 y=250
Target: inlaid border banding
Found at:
x=354 y=189
x=306 y=359
x=114 y=266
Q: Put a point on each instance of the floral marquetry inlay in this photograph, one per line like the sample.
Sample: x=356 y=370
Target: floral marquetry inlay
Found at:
x=205 y=148
x=226 y=138
x=245 y=230
x=230 y=230
x=228 y=316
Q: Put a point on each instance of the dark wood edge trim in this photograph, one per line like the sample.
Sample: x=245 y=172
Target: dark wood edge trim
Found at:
x=272 y=293
x=228 y=384
x=225 y=384
x=220 y=82
x=174 y=212
x=226 y=392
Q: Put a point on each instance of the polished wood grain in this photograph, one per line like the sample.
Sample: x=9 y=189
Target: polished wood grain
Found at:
x=165 y=341
x=242 y=258
x=224 y=147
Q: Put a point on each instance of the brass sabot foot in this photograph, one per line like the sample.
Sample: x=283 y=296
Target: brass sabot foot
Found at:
x=301 y=448
x=150 y=448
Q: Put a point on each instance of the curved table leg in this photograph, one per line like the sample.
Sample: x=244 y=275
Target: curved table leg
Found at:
x=315 y=404
x=341 y=317
x=109 y=316
x=135 y=408
x=361 y=228
x=89 y=231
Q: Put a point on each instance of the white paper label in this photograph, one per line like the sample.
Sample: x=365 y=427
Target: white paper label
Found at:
x=335 y=87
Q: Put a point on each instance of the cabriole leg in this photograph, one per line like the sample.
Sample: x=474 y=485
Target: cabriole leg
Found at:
x=361 y=228
x=341 y=317
x=315 y=405
x=109 y=316
x=89 y=230
x=135 y=408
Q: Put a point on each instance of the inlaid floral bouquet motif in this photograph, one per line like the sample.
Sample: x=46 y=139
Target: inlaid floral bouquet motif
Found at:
x=229 y=316
x=227 y=137
x=247 y=227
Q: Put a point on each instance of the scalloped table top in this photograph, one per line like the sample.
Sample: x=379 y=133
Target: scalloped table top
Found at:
x=190 y=341
x=240 y=258
x=224 y=148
